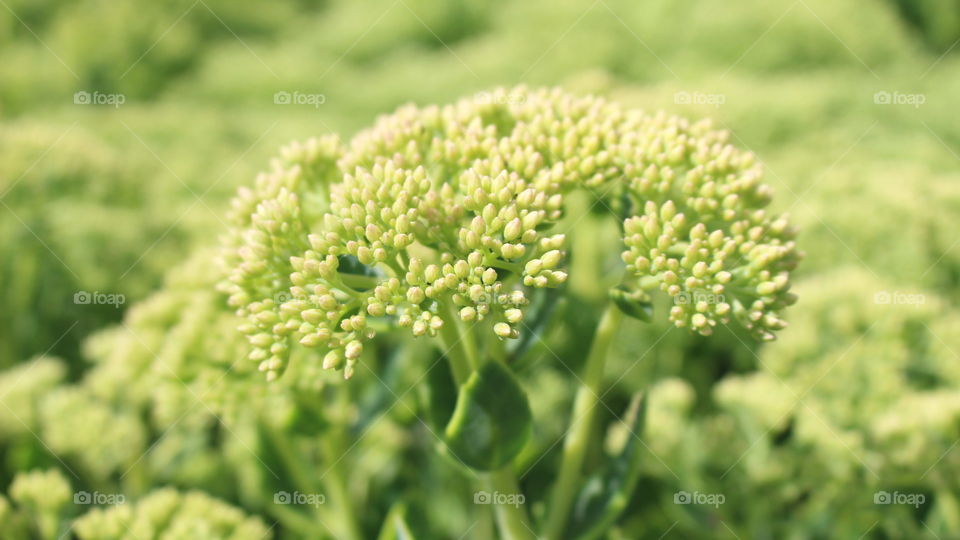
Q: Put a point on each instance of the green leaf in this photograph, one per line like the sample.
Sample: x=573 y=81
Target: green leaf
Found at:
x=440 y=394
x=492 y=421
x=636 y=304
x=606 y=494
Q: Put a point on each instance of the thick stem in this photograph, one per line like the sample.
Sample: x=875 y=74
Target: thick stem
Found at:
x=512 y=521
x=338 y=492
x=333 y=446
x=293 y=461
x=304 y=475
x=290 y=518
x=48 y=525
x=578 y=436
x=461 y=357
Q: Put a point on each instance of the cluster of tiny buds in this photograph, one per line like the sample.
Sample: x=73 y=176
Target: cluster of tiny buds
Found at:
x=711 y=275
x=447 y=211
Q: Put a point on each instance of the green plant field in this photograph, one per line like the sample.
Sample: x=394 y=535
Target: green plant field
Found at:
x=499 y=327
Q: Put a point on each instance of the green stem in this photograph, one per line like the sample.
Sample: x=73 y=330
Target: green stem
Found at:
x=338 y=491
x=578 y=436
x=462 y=358
x=290 y=518
x=293 y=461
x=492 y=260
x=332 y=446
x=512 y=521
x=303 y=474
x=48 y=525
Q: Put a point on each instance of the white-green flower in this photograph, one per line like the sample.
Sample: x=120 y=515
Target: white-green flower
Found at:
x=452 y=209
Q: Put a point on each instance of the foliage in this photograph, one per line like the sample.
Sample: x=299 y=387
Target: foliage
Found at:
x=157 y=399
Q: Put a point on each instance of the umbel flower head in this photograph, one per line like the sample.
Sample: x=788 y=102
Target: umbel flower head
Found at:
x=444 y=212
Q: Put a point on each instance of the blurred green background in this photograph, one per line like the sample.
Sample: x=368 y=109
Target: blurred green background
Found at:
x=125 y=128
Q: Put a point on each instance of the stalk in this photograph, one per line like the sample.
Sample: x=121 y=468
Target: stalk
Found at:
x=291 y=518
x=303 y=476
x=578 y=436
x=333 y=447
x=48 y=525
x=338 y=492
x=462 y=358
x=512 y=521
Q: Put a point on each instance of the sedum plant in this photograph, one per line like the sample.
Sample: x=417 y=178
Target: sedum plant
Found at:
x=40 y=499
x=447 y=215
x=460 y=223
x=169 y=514
x=857 y=401
x=41 y=505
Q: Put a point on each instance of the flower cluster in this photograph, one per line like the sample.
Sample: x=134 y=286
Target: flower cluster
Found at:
x=446 y=213
x=167 y=513
x=22 y=389
x=111 y=439
x=41 y=491
x=797 y=424
x=38 y=499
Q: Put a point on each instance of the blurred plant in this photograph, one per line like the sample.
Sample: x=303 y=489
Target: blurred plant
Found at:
x=797 y=83
x=937 y=21
x=66 y=261
x=854 y=406
x=168 y=514
x=40 y=499
x=21 y=389
x=42 y=506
